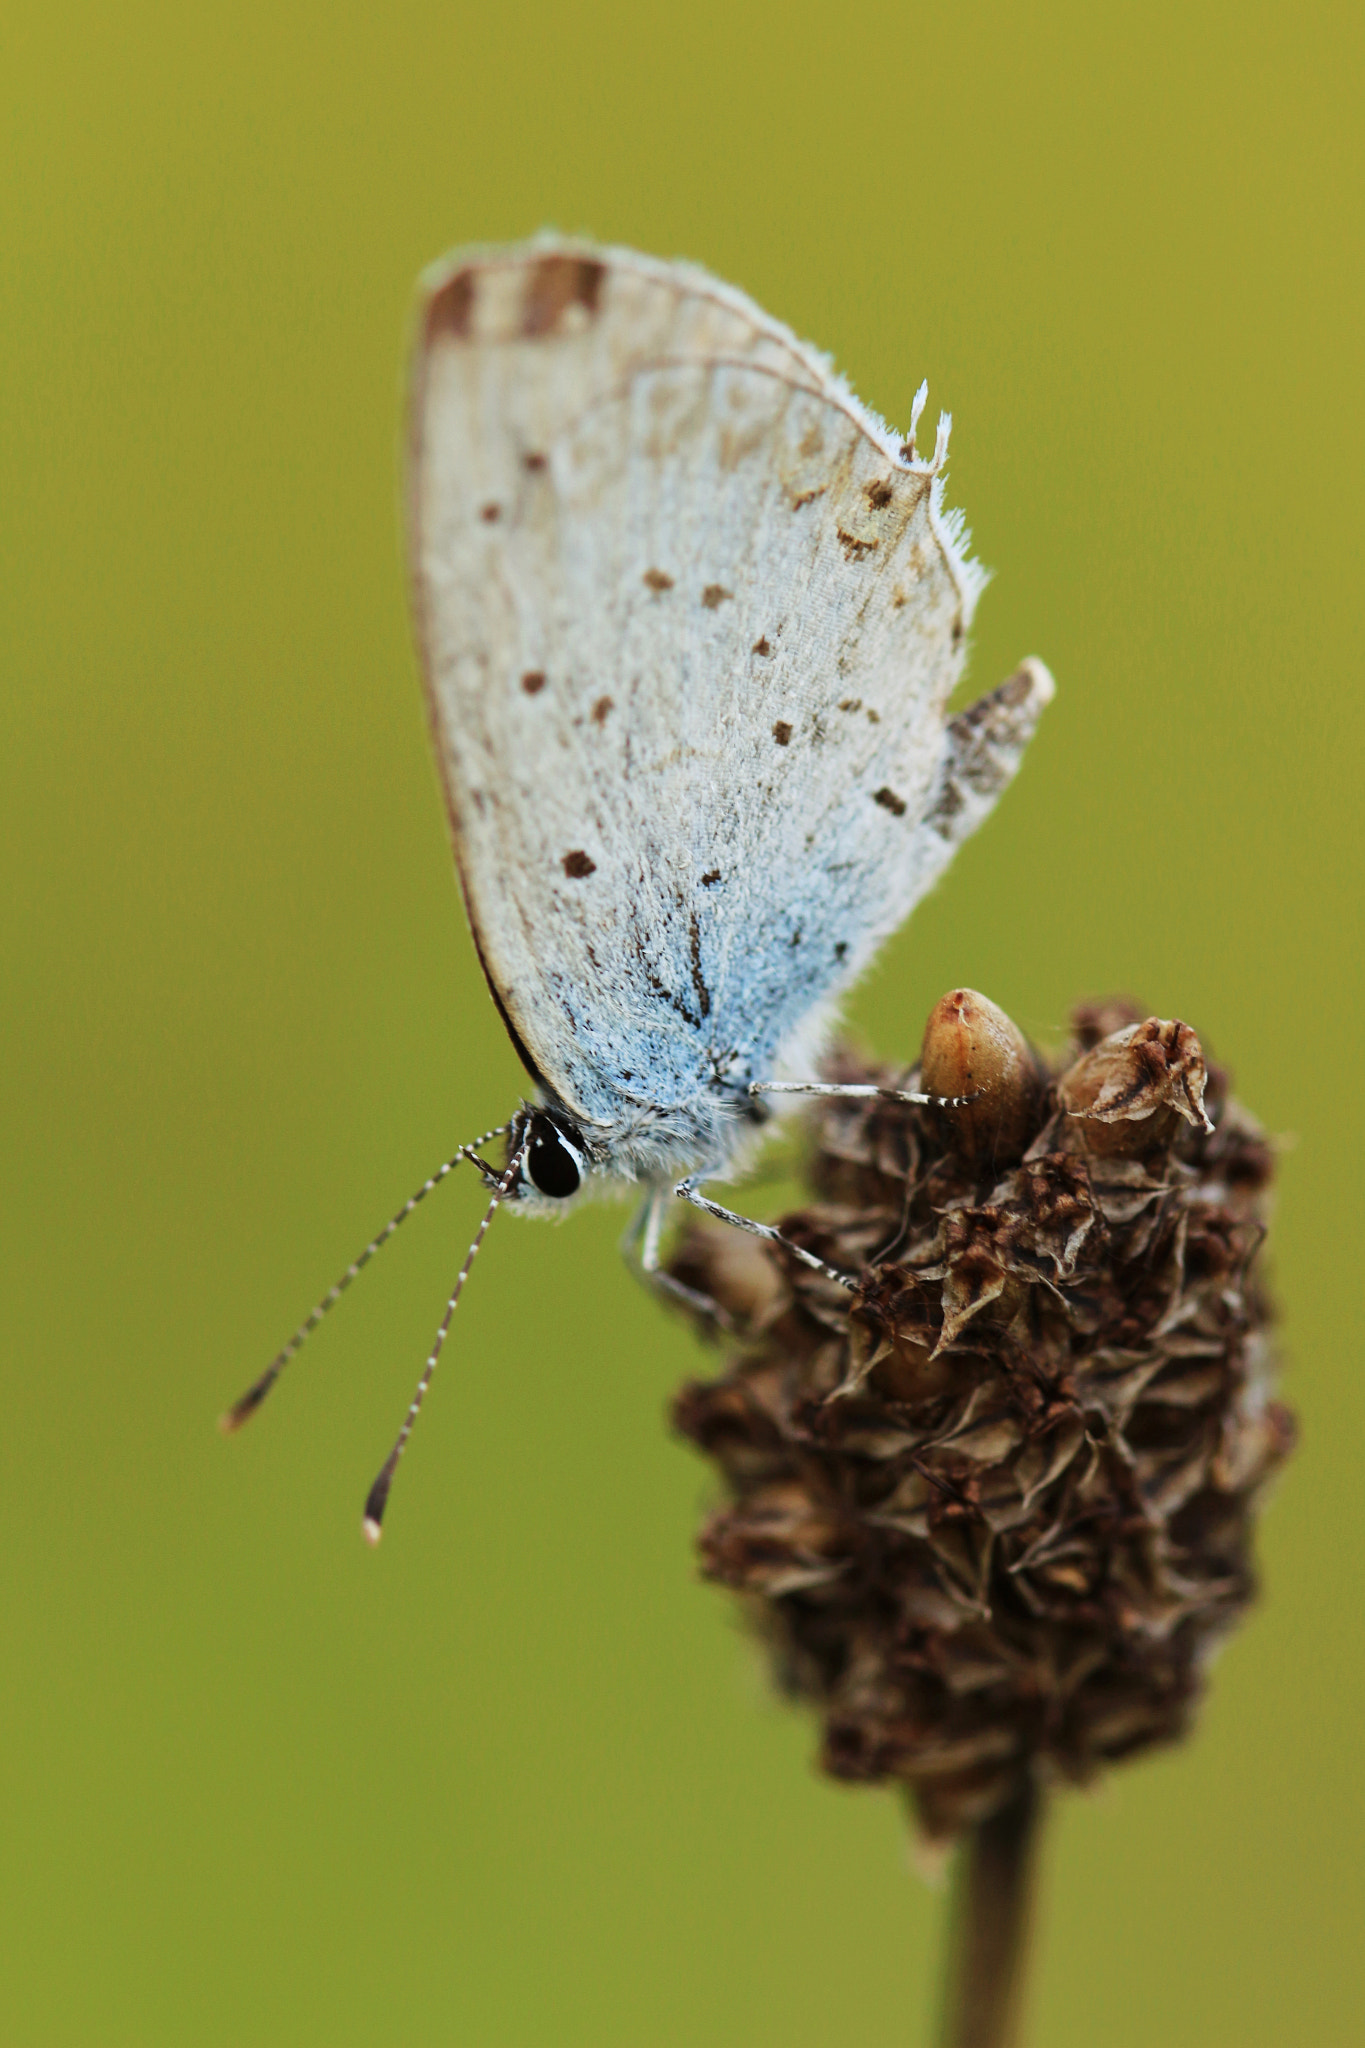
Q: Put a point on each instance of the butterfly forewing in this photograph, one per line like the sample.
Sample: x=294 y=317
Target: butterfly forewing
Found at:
x=689 y=621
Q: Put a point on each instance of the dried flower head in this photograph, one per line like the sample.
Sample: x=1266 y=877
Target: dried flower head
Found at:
x=993 y=1510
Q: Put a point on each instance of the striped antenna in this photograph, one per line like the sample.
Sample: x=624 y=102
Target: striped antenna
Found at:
x=376 y=1500
x=251 y=1400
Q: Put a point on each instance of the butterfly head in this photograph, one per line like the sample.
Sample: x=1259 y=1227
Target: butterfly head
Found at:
x=555 y=1159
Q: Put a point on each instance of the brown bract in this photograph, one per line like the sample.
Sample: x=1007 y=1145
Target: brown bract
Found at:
x=993 y=1510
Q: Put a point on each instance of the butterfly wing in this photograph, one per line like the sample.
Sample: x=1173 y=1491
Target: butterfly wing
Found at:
x=689 y=618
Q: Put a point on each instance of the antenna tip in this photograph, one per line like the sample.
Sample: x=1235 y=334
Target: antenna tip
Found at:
x=245 y=1406
x=372 y=1530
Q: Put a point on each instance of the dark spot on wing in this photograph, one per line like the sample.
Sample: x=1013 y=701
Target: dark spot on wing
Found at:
x=554 y=285
x=854 y=549
x=949 y=803
x=533 y=681
x=898 y=598
x=888 y=800
x=449 y=309
x=957 y=632
x=602 y=710
x=801 y=498
x=796 y=937
x=761 y=646
x=711 y=876
x=715 y=594
x=841 y=950
x=698 y=980
x=873 y=717
x=782 y=733
x=850 y=703
x=578 y=867
x=535 y=462
x=656 y=580
x=879 y=493
x=490 y=513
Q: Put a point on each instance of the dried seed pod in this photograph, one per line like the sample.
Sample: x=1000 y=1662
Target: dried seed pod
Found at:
x=972 y=1049
x=992 y=1510
x=1129 y=1092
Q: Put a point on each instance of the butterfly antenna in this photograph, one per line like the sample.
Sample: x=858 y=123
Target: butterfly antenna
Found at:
x=251 y=1400
x=376 y=1500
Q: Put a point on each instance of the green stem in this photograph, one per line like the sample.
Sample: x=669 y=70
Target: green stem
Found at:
x=989 y=1926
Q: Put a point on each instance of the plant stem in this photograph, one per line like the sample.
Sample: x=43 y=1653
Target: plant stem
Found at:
x=989 y=1926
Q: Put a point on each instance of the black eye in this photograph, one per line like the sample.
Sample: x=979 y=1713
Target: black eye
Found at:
x=552 y=1165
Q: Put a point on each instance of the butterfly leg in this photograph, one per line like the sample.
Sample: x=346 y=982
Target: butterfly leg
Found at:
x=861 y=1091
x=640 y=1249
x=686 y=1191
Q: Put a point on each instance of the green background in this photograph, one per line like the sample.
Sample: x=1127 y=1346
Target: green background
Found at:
x=515 y=1779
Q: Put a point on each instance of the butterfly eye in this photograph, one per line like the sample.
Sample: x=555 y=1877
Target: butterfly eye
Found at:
x=553 y=1167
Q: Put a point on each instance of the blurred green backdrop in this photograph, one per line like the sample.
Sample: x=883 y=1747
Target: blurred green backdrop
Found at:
x=514 y=1780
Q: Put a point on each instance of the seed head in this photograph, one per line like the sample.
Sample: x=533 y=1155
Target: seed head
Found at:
x=993 y=1510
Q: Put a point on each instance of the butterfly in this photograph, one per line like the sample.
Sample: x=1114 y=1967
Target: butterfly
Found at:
x=689 y=618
